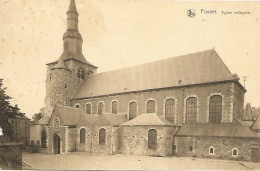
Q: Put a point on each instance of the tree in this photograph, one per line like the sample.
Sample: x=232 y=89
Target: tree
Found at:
x=36 y=117
x=7 y=111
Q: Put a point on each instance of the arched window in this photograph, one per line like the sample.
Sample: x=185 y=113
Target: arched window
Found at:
x=215 y=109
x=152 y=139
x=234 y=152
x=132 y=110
x=170 y=109
x=191 y=109
x=100 y=108
x=82 y=135
x=77 y=106
x=114 y=107
x=211 y=150
x=81 y=73
x=150 y=106
x=191 y=148
x=88 y=108
x=102 y=136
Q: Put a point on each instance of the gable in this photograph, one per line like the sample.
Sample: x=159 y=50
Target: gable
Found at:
x=69 y=116
x=55 y=113
x=197 y=68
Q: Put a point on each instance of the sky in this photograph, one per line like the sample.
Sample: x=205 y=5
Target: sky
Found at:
x=119 y=33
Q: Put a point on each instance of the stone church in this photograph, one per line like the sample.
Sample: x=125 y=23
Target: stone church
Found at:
x=189 y=105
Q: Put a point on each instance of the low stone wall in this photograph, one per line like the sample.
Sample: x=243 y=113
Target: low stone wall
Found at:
x=223 y=146
x=10 y=156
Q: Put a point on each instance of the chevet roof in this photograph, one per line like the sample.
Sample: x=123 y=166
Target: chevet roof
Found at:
x=196 y=68
x=234 y=129
x=148 y=119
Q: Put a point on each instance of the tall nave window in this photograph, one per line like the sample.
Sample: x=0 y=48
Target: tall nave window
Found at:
x=170 y=109
x=132 y=110
x=114 y=107
x=150 y=106
x=215 y=109
x=191 y=109
x=88 y=108
x=100 y=108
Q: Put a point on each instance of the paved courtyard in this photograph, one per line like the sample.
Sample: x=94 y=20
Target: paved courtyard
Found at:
x=87 y=161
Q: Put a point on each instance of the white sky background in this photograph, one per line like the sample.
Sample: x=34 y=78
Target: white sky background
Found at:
x=118 y=34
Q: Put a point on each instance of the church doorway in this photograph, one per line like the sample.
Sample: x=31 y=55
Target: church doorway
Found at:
x=255 y=155
x=56 y=144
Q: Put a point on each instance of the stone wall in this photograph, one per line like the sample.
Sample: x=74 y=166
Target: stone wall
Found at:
x=10 y=156
x=62 y=84
x=134 y=140
x=70 y=139
x=88 y=139
x=223 y=146
x=238 y=101
x=98 y=148
x=230 y=93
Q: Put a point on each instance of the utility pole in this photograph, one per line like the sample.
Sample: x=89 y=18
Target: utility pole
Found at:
x=244 y=80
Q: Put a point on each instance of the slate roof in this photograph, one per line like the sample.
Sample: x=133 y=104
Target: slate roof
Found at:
x=196 y=68
x=43 y=121
x=69 y=115
x=256 y=124
x=114 y=119
x=148 y=119
x=60 y=65
x=234 y=129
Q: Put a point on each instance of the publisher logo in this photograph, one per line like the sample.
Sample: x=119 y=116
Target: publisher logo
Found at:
x=191 y=13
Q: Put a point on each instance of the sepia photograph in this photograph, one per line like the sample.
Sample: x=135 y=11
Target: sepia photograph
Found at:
x=129 y=85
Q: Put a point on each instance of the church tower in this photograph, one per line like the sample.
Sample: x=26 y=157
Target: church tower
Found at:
x=65 y=75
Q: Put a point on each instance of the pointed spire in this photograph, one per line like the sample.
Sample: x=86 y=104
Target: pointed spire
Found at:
x=72 y=7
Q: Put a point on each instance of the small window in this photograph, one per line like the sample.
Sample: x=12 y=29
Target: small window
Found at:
x=77 y=106
x=174 y=147
x=211 y=150
x=150 y=106
x=82 y=135
x=152 y=139
x=234 y=152
x=65 y=85
x=191 y=148
x=50 y=76
x=32 y=142
x=114 y=107
x=38 y=142
x=56 y=122
x=102 y=136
